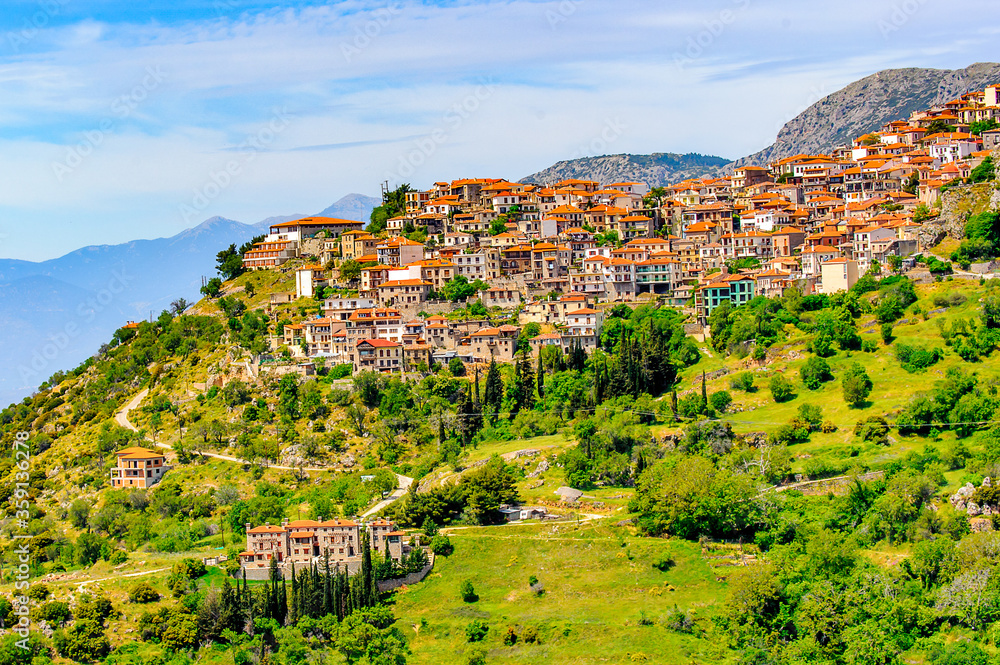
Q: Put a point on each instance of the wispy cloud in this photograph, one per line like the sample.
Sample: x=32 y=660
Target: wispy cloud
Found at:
x=226 y=64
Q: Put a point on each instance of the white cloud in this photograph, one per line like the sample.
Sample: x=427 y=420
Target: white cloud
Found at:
x=366 y=77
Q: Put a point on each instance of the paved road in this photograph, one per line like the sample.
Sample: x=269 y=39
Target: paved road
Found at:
x=122 y=419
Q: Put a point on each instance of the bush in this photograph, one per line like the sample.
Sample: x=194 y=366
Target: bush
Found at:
x=815 y=373
x=743 y=381
x=663 y=564
x=781 y=388
x=720 y=401
x=914 y=359
x=55 y=613
x=468 y=592
x=441 y=546
x=691 y=405
x=874 y=429
x=38 y=592
x=143 y=593
x=84 y=641
x=476 y=631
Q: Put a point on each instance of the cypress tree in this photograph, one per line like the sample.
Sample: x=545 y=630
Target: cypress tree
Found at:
x=283 y=604
x=540 y=382
x=295 y=606
x=704 y=393
x=493 y=397
x=327 y=585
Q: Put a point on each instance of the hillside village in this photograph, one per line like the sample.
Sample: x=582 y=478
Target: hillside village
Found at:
x=558 y=254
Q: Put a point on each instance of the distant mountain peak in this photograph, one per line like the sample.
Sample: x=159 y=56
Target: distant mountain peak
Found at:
x=352 y=206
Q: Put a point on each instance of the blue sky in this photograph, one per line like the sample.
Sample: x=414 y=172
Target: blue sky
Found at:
x=137 y=120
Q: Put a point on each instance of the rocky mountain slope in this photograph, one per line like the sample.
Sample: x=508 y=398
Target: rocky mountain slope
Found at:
x=861 y=107
x=866 y=105
x=659 y=168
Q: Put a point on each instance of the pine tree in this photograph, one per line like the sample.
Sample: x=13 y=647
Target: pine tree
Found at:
x=673 y=403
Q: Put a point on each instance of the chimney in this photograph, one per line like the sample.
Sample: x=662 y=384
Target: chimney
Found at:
x=248 y=526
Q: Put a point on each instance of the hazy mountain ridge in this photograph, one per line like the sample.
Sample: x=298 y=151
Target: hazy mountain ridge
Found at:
x=92 y=291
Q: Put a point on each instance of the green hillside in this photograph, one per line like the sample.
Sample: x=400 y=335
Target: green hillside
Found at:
x=677 y=552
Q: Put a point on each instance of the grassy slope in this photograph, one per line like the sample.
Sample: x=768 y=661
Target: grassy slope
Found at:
x=594 y=596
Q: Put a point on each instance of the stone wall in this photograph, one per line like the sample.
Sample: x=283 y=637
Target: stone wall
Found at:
x=412 y=578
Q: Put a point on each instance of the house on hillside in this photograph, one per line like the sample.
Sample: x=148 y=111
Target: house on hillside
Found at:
x=138 y=468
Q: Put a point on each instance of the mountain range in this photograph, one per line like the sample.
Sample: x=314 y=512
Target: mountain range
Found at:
x=860 y=107
x=56 y=313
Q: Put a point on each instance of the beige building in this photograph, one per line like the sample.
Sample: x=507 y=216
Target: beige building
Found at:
x=838 y=275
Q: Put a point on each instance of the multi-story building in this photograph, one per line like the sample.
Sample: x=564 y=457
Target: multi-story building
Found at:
x=378 y=355
x=138 y=468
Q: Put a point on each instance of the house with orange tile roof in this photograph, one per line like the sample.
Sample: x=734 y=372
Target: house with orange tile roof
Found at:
x=495 y=343
x=399 y=252
x=138 y=468
x=378 y=355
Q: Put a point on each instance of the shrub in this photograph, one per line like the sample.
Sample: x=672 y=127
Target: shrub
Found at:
x=663 y=564
x=815 y=373
x=38 y=592
x=510 y=637
x=885 y=331
x=914 y=359
x=55 y=613
x=679 y=621
x=743 y=381
x=873 y=429
x=476 y=631
x=720 y=401
x=468 y=592
x=143 y=593
x=530 y=635
x=781 y=388
x=691 y=405
x=441 y=545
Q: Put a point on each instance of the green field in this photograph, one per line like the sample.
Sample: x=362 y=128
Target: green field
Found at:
x=599 y=583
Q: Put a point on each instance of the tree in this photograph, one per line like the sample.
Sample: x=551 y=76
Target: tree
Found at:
x=229 y=263
x=350 y=270
x=468 y=591
x=781 y=388
x=79 y=512
x=895 y=262
x=720 y=401
x=498 y=226
x=212 y=288
x=815 y=373
x=84 y=641
x=856 y=385
x=493 y=395
x=178 y=306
